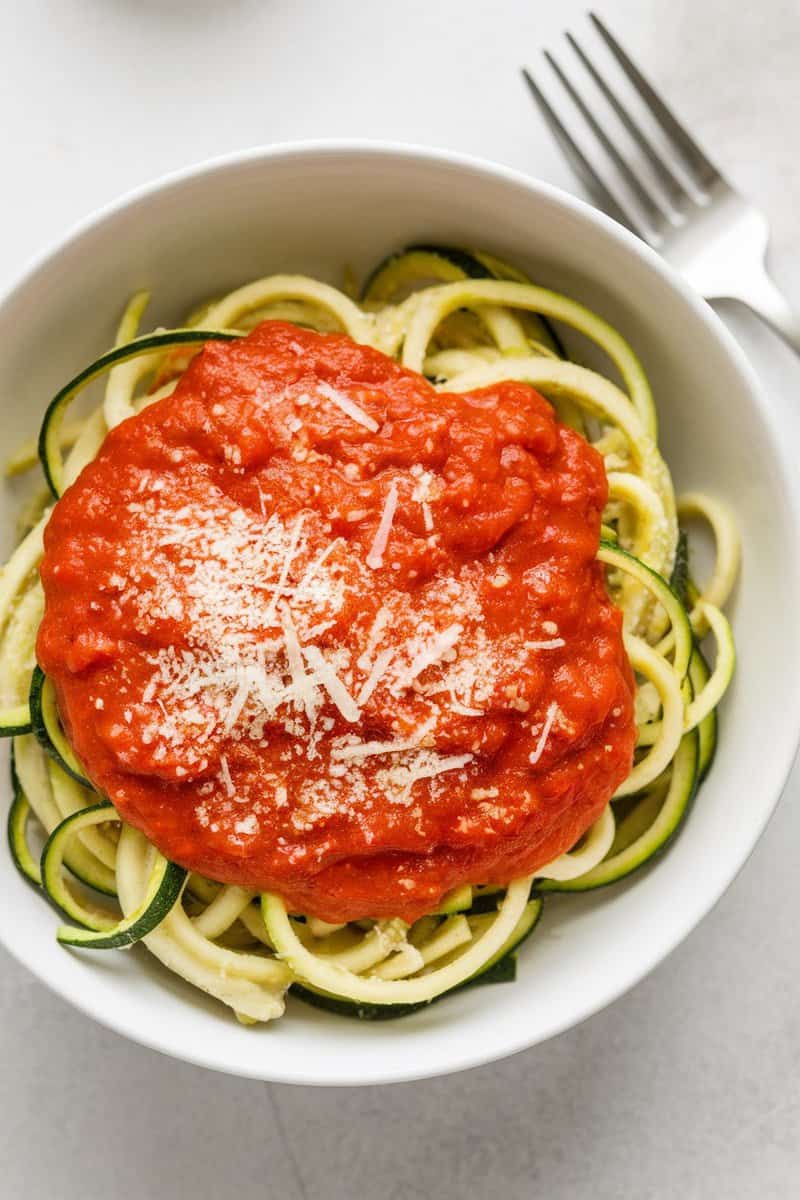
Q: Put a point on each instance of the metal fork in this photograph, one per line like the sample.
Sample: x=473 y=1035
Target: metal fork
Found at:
x=694 y=217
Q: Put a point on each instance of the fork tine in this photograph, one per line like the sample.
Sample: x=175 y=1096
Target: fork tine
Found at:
x=654 y=209
x=579 y=162
x=707 y=174
x=675 y=190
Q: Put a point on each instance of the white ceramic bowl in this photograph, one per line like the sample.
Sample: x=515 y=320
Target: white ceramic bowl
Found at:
x=314 y=208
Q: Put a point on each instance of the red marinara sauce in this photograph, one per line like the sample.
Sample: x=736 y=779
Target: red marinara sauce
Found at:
x=318 y=629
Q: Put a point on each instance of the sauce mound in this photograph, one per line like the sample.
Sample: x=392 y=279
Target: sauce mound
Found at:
x=318 y=629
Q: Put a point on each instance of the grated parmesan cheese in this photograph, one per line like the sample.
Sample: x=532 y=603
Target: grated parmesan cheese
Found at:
x=346 y=405
x=286 y=565
x=379 y=669
x=380 y=541
x=304 y=686
x=313 y=570
x=424 y=764
x=324 y=672
x=369 y=749
x=430 y=654
x=225 y=775
x=463 y=710
x=536 y=754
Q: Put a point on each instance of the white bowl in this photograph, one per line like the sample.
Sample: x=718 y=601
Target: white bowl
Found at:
x=314 y=208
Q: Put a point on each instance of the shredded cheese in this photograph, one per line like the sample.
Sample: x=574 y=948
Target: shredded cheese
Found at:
x=380 y=541
x=425 y=764
x=303 y=684
x=536 y=754
x=225 y=775
x=370 y=749
x=324 y=672
x=379 y=669
x=463 y=710
x=346 y=405
x=382 y=618
x=286 y=565
x=313 y=570
x=238 y=702
x=432 y=653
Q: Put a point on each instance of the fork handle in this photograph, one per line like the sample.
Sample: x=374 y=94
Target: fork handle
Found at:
x=767 y=301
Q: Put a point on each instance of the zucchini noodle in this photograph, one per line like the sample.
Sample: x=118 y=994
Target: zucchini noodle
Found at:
x=467 y=321
x=726 y=558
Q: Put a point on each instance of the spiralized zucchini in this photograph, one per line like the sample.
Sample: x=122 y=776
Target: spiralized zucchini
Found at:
x=466 y=320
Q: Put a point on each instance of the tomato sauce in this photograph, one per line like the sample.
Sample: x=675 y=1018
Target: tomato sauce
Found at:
x=318 y=629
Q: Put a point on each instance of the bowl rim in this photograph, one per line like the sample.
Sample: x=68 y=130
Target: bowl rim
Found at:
x=416 y=153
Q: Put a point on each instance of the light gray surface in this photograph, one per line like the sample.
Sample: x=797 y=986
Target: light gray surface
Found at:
x=687 y=1087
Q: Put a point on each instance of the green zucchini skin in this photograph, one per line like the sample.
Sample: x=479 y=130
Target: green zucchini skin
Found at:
x=504 y=971
x=483 y=903
x=455 y=262
x=656 y=839
x=38 y=728
x=679 y=579
x=502 y=968
x=396 y=274
x=471 y=266
x=54 y=860
x=503 y=270
x=477 y=265
x=168 y=885
x=708 y=728
x=685 y=589
x=50 y=880
x=525 y=927
x=613 y=555
x=42 y=731
x=15 y=720
x=168 y=894
x=459 y=901
x=81 y=866
x=48 y=449
x=18 y=815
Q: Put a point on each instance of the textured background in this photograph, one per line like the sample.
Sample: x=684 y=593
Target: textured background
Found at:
x=688 y=1086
